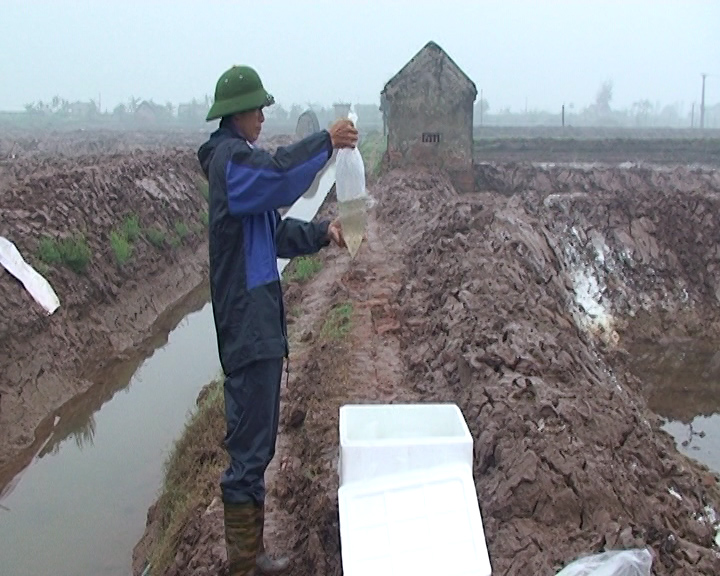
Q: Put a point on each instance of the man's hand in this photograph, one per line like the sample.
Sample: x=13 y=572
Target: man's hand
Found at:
x=335 y=233
x=343 y=134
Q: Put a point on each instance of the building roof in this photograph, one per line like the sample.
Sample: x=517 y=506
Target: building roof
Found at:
x=430 y=46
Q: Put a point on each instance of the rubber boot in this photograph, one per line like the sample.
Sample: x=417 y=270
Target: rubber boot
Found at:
x=241 y=538
x=266 y=565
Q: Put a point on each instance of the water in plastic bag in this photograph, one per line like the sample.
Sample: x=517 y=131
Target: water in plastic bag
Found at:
x=353 y=200
x=636 y=562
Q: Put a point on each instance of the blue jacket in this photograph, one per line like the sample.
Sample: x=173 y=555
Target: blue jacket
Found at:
x=247 y=186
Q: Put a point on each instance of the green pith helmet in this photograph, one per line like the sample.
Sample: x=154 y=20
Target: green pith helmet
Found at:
x=238 y=90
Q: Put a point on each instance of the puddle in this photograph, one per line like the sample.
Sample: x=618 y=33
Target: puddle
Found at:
x=685 y=380
x=76 y=502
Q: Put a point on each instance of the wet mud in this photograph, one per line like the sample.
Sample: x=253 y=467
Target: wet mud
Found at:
x=521 y=304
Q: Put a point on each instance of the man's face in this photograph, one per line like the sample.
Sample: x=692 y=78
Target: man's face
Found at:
x=249 y=124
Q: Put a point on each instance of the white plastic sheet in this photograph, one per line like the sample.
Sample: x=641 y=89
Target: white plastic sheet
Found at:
x=34 y=283
x=636 y=562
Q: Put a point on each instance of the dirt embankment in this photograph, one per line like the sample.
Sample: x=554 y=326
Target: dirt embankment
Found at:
x=120 y=237
x=498 y=317
x=18 y=144
x=665 y=149
x=519 y=309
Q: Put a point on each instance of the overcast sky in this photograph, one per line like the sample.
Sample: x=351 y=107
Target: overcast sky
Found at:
x=545 y=51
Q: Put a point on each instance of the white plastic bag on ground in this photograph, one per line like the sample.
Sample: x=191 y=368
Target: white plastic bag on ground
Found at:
x=35 y=284
x=636 y=562
x=353 y=199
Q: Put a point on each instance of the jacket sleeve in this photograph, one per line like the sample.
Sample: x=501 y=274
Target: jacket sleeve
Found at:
x=294 y=237
x=258 y=181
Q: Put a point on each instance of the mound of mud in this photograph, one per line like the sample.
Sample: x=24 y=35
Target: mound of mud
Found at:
x=46 y=360
x=635 y=243
x=522 y=177
x=568 y=459
x=20 y=144
x=518 y=309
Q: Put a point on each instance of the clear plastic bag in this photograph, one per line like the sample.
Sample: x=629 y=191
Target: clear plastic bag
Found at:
x=352 y=197
x=636 y=562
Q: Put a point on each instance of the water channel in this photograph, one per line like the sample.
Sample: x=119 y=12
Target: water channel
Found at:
x=79 y=507
x=685 y=379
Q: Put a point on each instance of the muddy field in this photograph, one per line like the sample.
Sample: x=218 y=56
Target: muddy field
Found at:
x=591 y=132
x=19 y=144
x=521 y=308
x=612 y=149
x=519 y=303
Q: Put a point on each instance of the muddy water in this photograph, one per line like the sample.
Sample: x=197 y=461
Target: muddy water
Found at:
x=80 y=506
x=685 y=379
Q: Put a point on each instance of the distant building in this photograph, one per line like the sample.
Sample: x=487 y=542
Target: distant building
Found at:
x=148 y=113
x=81 y=109
x=307 y=124
x=428 y=109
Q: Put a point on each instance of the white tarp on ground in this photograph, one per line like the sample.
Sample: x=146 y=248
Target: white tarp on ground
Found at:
x=34 y=283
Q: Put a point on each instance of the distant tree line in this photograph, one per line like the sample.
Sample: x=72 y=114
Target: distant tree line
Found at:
x=281 y=118
x=642 y=113
x=147 y=112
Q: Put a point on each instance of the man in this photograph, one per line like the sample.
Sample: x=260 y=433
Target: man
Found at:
x=247 y=235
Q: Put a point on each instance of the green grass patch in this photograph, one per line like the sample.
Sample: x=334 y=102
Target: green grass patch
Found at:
x=205 y=218
x=304 y=268
x=73 y=252
x=338 y=322
x=131 y=228
x=191 y=475
x=48 y=250
x=121 y=247
x=155 y=236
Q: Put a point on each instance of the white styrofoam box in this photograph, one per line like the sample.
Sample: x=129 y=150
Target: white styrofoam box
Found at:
x=385 y=439
x=421 y=523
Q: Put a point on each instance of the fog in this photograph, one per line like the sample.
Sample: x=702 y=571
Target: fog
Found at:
x=530 y=54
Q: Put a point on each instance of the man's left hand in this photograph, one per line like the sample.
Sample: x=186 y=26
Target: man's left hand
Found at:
x=335 y=233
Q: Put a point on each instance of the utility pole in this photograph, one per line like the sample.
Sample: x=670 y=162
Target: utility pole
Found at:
x=692 y=116
x=563 y=115
x=702 y=104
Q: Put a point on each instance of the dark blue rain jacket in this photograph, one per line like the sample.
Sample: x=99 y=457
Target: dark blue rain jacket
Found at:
x=247 y=235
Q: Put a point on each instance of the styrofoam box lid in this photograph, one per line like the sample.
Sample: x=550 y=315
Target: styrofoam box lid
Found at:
x=401 y=423
x=425 y=523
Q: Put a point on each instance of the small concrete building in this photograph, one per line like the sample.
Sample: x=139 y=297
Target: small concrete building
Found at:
x=307 y=124
x=428 y=109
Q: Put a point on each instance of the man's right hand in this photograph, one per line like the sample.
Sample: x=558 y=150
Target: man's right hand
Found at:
x=343 y=134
